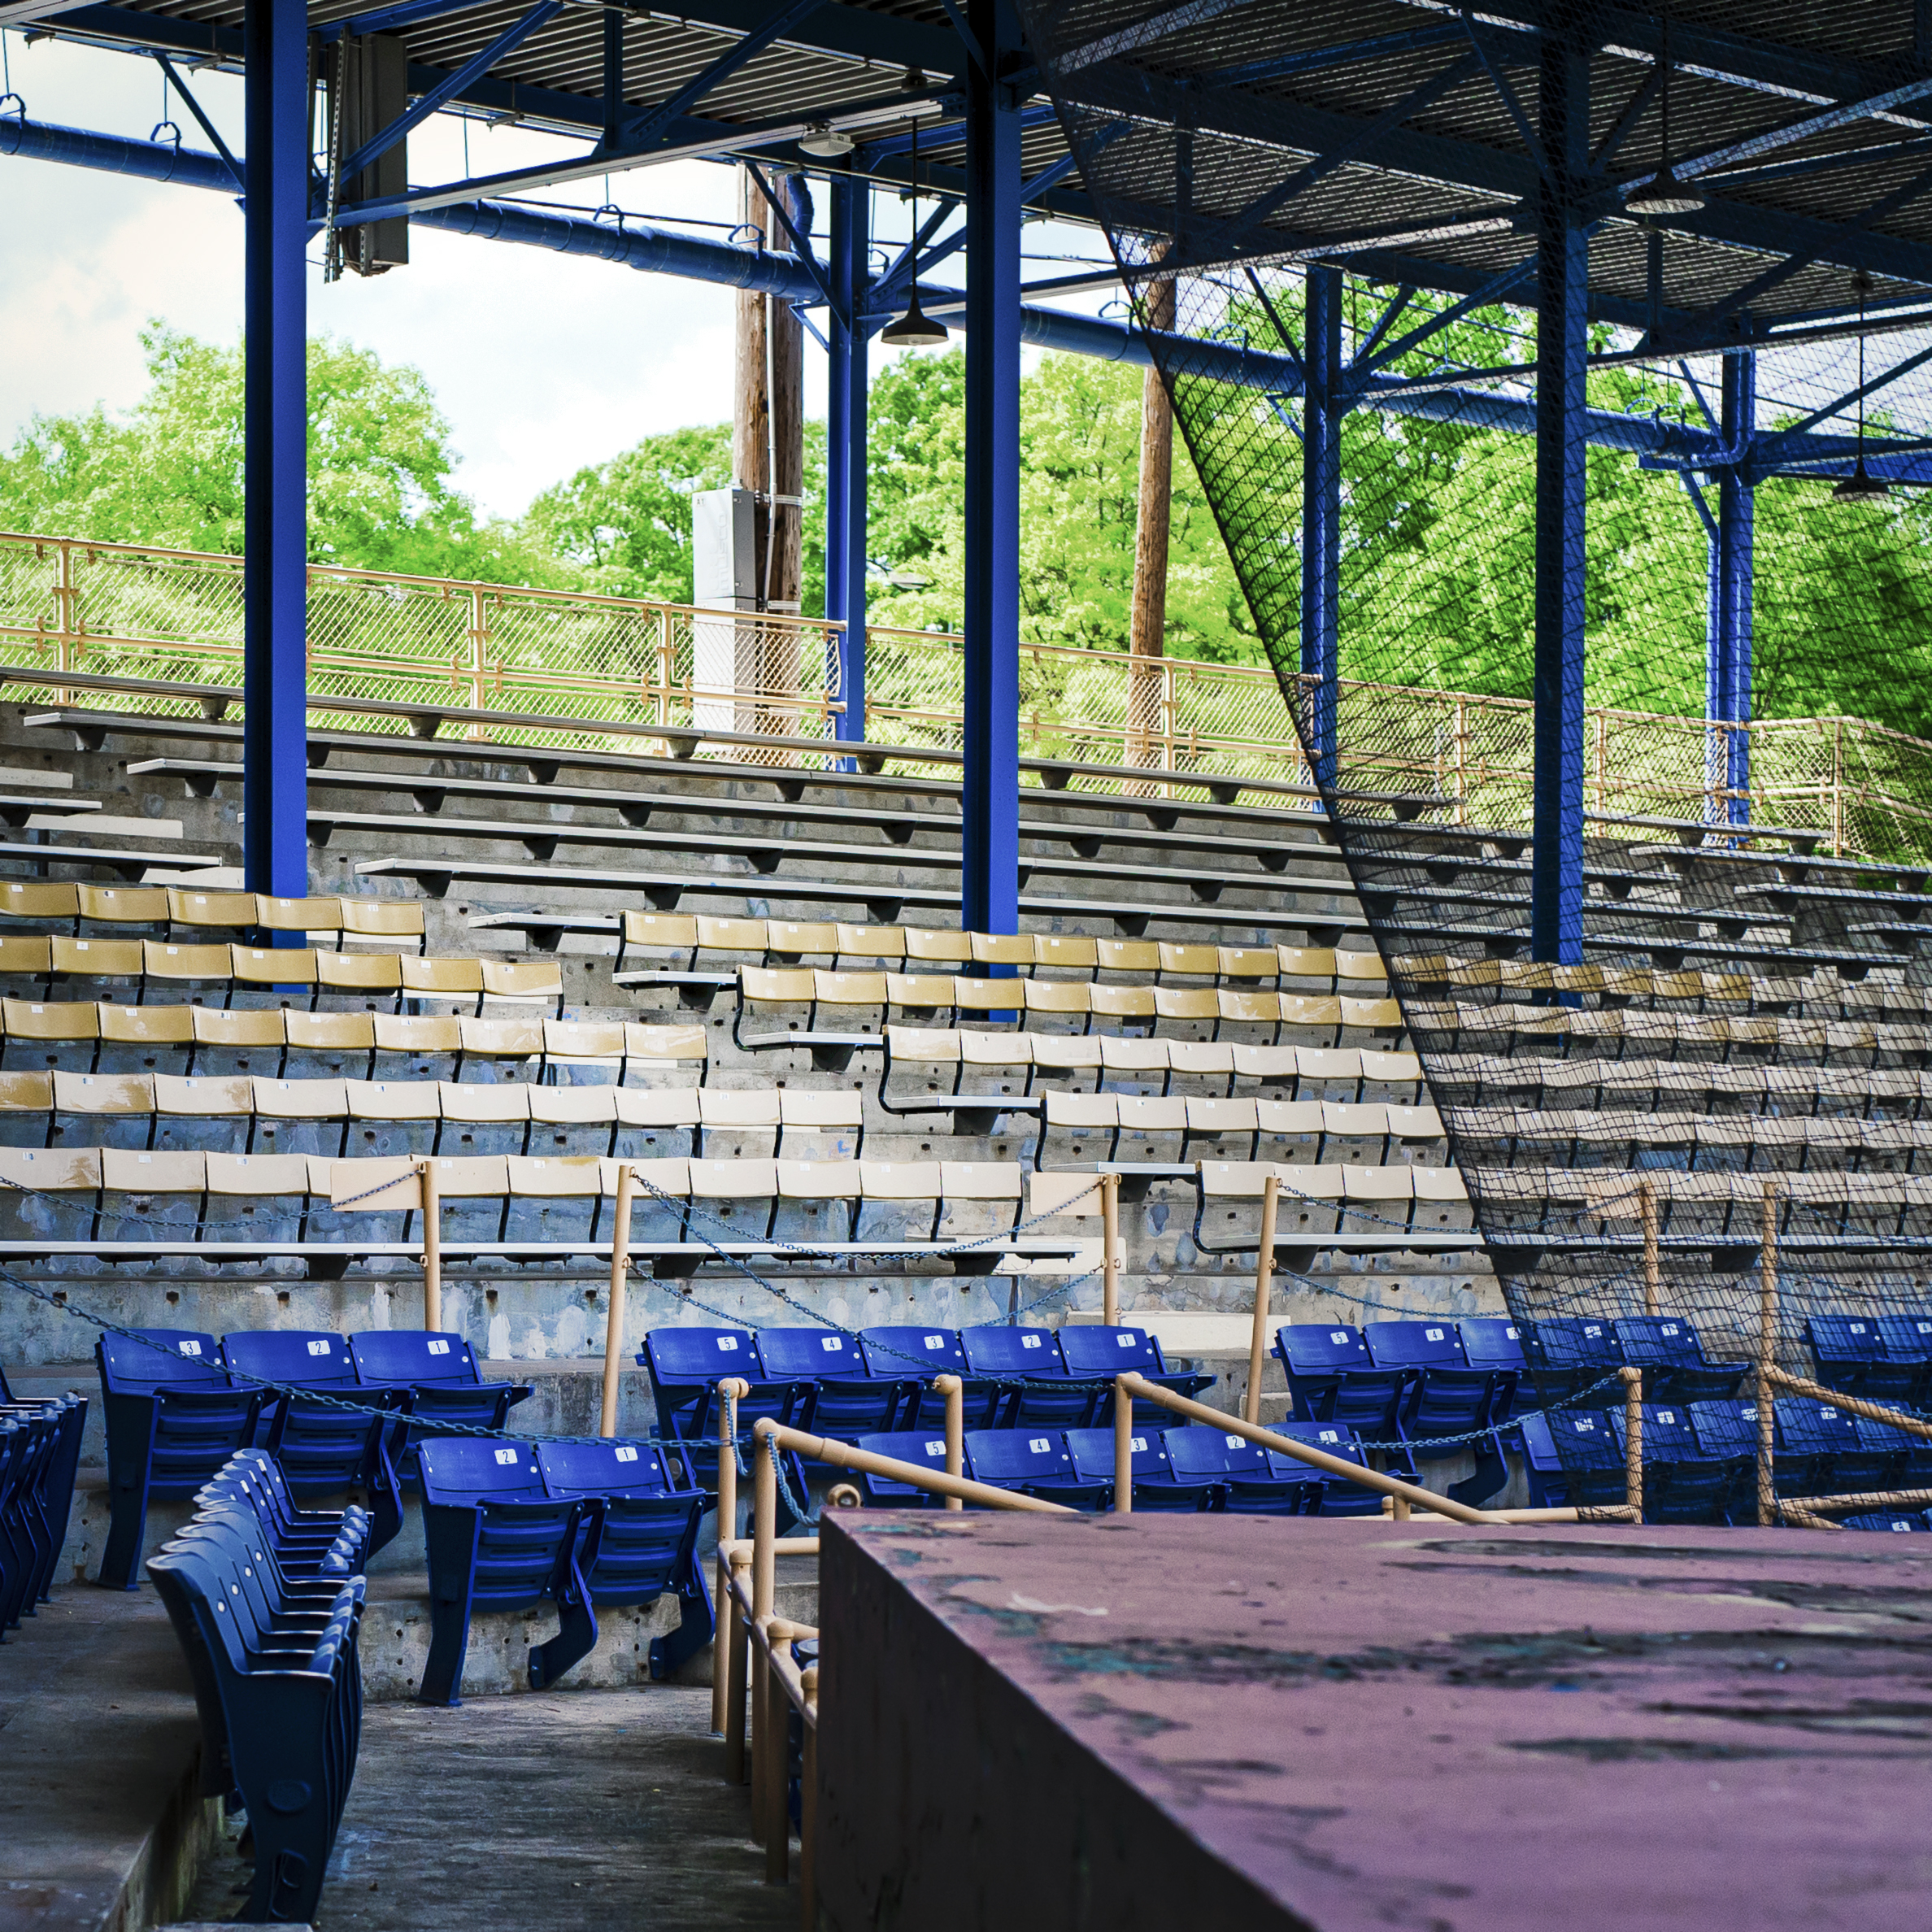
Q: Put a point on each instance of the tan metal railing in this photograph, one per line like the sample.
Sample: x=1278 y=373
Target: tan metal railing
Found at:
x=133 y=611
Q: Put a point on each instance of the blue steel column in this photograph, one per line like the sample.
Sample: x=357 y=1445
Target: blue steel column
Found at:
x=1563 y=269
x=275 y=666
x=989 y=858
x=845 y=448
x=1321 y=510
x=1727 y=688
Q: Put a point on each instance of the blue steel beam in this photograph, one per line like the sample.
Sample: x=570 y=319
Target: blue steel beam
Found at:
x=1562 y=345
x=641 y=131
x=274 y=434
x=1323 y=406
x=846 y=449
x=201 y=118
x=989 y=831
x=1727 y=675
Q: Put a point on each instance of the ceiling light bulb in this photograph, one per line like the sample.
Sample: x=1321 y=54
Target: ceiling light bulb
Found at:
x=915 y=329
x=825 y=142
x=1664 y=194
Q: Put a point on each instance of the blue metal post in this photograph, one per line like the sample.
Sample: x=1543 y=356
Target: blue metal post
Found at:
x=1727 y=676
x=1562 y=278
x=274 y=567
x=990 y=859
x=845 y=448
x=1321 y=511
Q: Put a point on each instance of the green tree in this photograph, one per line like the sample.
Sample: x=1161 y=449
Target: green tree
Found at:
x=170 y=471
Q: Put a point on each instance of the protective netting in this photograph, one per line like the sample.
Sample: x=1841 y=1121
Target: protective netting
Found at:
x=1740 y=1011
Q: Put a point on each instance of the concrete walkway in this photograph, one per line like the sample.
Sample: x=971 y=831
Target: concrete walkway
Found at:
x=590 y=1810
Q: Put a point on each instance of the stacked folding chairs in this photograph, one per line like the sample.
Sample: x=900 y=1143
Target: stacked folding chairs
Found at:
x=267 y=1601
x=39 y=1449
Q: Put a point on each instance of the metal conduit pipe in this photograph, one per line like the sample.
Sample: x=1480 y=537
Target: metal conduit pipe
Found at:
x=659 y=251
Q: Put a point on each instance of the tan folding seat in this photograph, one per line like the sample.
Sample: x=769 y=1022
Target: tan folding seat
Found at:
x=1084 y=1117
x=169 y=962
x=1378 y=1196
x=646 y=1044
x=1065 y=1193
x=813 y=1186
x=927 y=948
x=361 y=976
x=822 y=1111
x=26 y=1100
x=1303 y=1207
x=775 y=985
x=670 y=1176
x=971 y=994
x=426 y=1039
x=323 y=914
x=892 y=1183
x=1377 y=1016
x=94 y=959
x=1581 y=979
x=1312 y=1012
x=1247 y=1009
x=1145 y=1114
x=885 y=943
x=1311 y=1196
x=643 y=1113
x=1343 y=1119
x=1354 y=969
x=1066 y=952
x=560 y=1108
x=1299 y=1121
x=999 y=1049
x=1272 y=1065
x=273 y=968
x=1124 y=1053
x=730 y=1182
x=495 y=1041
x=1414 y=1123
x=1246 y=963
x=114 y=1108
x=1626 y=985
x=1200 y=1060
x=383 y=921
x=528 y=982
x=924 y=1046
x=136 y=1173
x=717 y=934
x=1067 y=997
x=964 y=1183
x=198 y=1098
x=792 y=939
x=298 y=1117
x=210 y=911
x=29 y=955
x=1472 y=975
x=466 y=1106
x=1137 y=956
x=343 y=1044
x=1060 y=1054
x=920 y=992
x=845 y=991
x=584 y=1043
x=239 y=1186
x=122 y=905
x=71 y=1172
x=1391 y=1069
x=669 y=931
x=34 y=1025
x=1305 y=962
x=1441 y=1200
x=1117 y=1003
x=42 y=903
x=747 y=1109
x=237 y=1041
x=1213 y=1119
x=412 y=1106
x=1015 y=950
x=441 y=979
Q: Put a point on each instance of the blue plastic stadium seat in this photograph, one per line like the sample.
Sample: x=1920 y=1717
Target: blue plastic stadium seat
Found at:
x=925 y=1446
x=323 y=1449
x=278 y=1687
x=686 y=1365
x=1572 y=1456
x=1905 y=1459
x=173 y=1418
x=308 y=1543
x=1332 y=1495
x=443 y=1385
x=499 y=1540
x=646 y=1544
x=1447 y=1397
x=1334 y=1378
x=1495 y=1343
x=1683 y=1483
x=1094 y=1352
x=1907 y=1340
x=1242 y=1474
x=1850 y=1354
x=913 y=1356
x=1029 y=1361
x=1887 y=1519
x=40 y=1450
x=1819 y=1452
x=1568 y=1354
x=1676 y=1370
x=1728 y=1431
x=1153 y=1485
x=1035 y=1461
x=849 y=1402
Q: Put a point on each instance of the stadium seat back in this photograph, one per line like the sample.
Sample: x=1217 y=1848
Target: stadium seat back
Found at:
x=1000 y=1350
x=1090 y=1349
x=916 y=1353
x=1322 y=1348
x=1093 y=1453
x=168 y=1359
x=922 y=1447
x=1414 y=1345
x=416 y=1357
x=702 y=1356
x=464 y=1470
x=1017 y=1458
x=1492 y=1342
x=605 y=1469
x=808 y=1354
x=304 y=1357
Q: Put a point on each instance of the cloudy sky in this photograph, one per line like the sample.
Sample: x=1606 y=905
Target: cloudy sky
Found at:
x=541 y=362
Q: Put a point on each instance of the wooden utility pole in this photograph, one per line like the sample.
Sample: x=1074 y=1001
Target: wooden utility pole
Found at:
x=1147 y=632
x=767 y=419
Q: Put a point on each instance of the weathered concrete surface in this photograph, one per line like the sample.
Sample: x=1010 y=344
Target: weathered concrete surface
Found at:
x=1357 y=1725
x=100 y=1827
x=605 y=1811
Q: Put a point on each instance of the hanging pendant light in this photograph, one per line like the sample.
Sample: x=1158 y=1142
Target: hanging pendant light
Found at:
x=915 y=329
x=1664 y=193
x=1861 y=486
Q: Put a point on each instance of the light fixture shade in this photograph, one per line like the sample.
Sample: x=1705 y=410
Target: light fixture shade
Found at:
x=1861 y=486
x=915 y=329
x=1664 y=194
x=824 y=142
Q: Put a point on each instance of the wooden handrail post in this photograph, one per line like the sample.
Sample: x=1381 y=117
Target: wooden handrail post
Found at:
x=728 y=1391
x=1633 y=1382
x=1123 y=1448
x=1653 y=1265
x=1767 y=1357
x=764 y=1582
x=955 y=1392
x=1110 y=1226
x=738 y=1664
x=627 y=1182
x=1264 y=1281
x=778 y=1777
x=808 y=1680
x=431 y=1246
